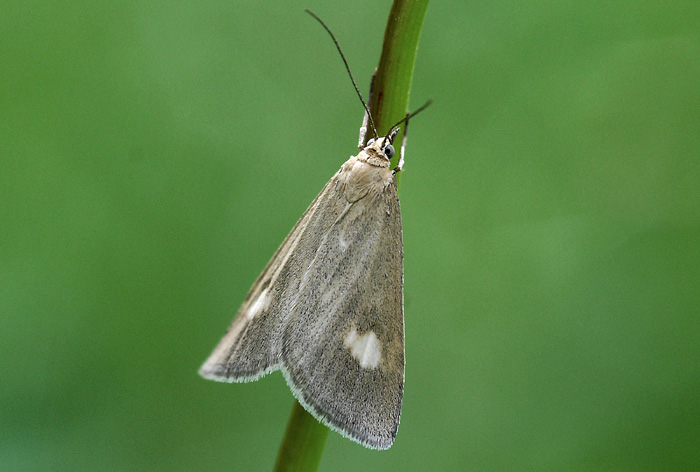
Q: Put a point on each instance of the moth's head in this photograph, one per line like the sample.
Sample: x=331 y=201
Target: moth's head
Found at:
x=383 y=146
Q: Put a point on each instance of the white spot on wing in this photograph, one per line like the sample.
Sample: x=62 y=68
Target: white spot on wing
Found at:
x=365 y=348
x=342 y=243
x=262 y=302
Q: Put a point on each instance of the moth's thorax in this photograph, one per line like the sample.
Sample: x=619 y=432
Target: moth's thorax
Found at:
x=367 y=173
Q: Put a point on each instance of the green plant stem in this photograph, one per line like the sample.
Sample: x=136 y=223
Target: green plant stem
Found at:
x=392 y=84
x=303 y=443
x=305 y=438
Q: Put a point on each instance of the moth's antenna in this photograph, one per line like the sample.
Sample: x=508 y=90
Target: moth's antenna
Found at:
x=410 y=115
x=347 y=67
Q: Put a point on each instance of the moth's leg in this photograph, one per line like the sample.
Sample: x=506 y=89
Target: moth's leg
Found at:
x=402 y=151
x=365 y=120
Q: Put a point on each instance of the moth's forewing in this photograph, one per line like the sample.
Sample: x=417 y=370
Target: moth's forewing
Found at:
x=252 y=345
x=352 y=291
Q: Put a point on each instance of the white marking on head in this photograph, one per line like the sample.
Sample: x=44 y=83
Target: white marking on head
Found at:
x=260 y=303
x=365 y=348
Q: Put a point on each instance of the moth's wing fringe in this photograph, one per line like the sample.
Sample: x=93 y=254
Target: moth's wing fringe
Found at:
x=240 y=378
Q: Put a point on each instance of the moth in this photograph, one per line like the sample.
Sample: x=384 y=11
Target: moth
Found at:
x=328 y=309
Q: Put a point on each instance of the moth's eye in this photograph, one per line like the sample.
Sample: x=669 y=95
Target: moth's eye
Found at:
x=389 y=151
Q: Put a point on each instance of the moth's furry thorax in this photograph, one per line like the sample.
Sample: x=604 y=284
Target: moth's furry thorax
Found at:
x=366 y=174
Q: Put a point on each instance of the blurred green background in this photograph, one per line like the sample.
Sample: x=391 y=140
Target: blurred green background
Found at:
x=154 y=154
